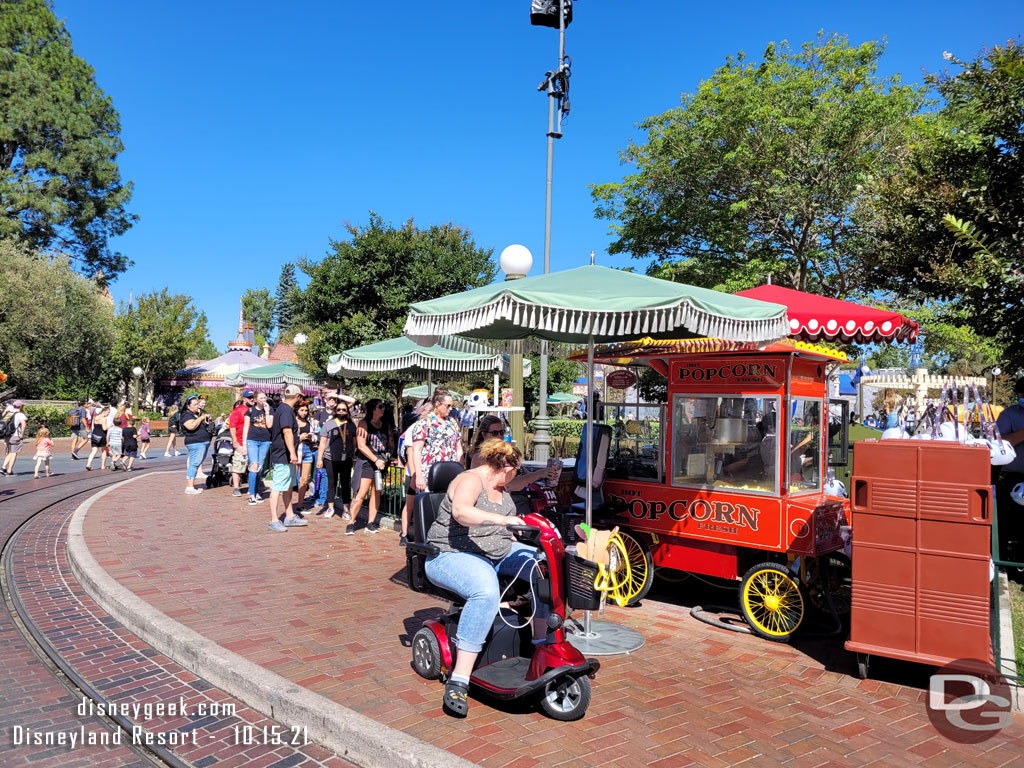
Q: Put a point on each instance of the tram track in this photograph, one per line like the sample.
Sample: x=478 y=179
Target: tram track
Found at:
x=62 y=672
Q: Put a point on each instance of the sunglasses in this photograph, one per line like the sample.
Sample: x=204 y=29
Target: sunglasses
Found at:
x=496 y=432
x=341 y=412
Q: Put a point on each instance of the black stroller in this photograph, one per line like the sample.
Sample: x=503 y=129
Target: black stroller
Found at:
x=223 y=449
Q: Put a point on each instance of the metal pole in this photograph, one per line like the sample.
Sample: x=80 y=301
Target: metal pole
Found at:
x=542 y=436
x=430 y=383
x=588 y=452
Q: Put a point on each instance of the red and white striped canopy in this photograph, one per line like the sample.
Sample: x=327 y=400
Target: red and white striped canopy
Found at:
x=817 y=318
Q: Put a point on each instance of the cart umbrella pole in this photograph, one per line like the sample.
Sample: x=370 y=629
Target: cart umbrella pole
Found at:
x=588 y=451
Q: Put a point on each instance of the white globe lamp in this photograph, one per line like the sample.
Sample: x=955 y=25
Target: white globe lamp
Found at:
x=300 y=338
x=137 y=371
x=515 y=261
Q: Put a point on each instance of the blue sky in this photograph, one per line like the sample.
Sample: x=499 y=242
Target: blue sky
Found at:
x=253 y=130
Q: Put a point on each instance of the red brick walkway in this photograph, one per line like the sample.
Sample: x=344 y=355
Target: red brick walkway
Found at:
x=329 y=612
x=120 y=667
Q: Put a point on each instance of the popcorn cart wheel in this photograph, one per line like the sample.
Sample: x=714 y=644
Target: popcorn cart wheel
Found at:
x=641 y=568
x=772 y=601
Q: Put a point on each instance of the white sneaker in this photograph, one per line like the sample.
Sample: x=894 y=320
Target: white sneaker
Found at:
x=328 y=513
x=167 y=454
x=193 y=491
x=177 y=453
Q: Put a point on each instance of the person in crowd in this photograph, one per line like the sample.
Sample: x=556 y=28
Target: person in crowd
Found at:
x=308 y=437
x=173 y=428
x=15 y=440
x=236 y=425
x=119 y=418
x=285 y=455
x=493 y=428
x=196 y=433
x=335 y=455
x=115 y=443
x=78 y=420
x=98 y=439
x=471 y=532
x=409 y=417
x=412 y=463
x=256 y=438
x=437 y=438
x=144 y=437
x=371 y=455
x=1011 y=517
x=44 y=450
x=322 y=416
x=130 y=444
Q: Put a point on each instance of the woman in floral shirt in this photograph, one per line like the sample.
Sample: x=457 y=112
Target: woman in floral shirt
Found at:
x=437 y=437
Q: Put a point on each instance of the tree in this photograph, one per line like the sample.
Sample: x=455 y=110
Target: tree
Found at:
x=56 y=326
x=205 y=351
x=762 y=171
x=287 y=300
x=952 y=227
x=159 y=335
x=258 y=309
x=562 y=374
x=361 y=291
x=60 y=186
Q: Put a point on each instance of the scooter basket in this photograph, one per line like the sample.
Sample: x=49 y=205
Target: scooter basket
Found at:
x=580 y=575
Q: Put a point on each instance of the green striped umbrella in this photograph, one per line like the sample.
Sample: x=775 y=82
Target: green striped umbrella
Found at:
x=276 y=374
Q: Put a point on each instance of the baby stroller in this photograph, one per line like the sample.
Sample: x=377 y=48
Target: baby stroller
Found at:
x=223 y=449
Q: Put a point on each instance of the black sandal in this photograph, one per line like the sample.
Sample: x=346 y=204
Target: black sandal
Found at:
x=456 y=699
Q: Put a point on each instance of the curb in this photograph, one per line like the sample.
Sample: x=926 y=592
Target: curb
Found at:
x=1008 y=660
x=350 y=735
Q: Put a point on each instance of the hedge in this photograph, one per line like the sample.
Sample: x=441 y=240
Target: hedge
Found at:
x=562 y=427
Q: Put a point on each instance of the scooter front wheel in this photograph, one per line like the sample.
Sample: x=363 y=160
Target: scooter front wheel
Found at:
x=566 y=698
x=426 y=654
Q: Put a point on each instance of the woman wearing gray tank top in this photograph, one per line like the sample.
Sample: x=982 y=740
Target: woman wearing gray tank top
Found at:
x=471 y=530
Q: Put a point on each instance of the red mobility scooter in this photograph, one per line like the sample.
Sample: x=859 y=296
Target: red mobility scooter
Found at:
x=510 y=666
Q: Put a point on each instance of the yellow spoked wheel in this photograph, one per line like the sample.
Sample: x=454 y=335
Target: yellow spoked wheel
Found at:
x=631 y=571
x=772 y=601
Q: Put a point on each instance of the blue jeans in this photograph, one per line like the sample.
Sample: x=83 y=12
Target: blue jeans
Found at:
x=475 y=578
x=257 y=451
x=196 y=456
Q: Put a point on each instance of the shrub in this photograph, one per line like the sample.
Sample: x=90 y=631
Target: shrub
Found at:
x=562 y=427
x=53 y=416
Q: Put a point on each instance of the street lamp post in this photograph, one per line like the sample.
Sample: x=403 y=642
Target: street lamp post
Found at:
x=556 y=84
x=137 y=373
x=992 y=388
x=515 y=262
x=864 y=371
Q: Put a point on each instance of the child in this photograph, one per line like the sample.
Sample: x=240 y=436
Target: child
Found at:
x=44 y=448
x=144 y=437
x=130 y=444
x=115 y=436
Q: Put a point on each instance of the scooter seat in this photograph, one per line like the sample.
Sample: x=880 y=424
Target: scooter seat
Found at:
x=424 y=511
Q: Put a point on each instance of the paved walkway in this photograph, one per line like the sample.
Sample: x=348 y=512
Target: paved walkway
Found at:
x=330 y=612
x=213 y=729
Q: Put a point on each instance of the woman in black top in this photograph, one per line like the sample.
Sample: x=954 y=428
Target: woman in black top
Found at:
x=98 y=438
x=306 y=441
x=372 y=446
x=335 y=455
x=197 y=439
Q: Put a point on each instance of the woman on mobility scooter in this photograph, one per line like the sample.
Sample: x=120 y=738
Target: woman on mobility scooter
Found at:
x=471 y=530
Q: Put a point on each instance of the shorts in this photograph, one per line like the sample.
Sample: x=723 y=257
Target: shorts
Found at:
x=15 y=447
x=45 y=456
x=81 y=432
x=285 y=476
x=363 y=470
x=144 y=440
x=115 y=448
x=239 y=461
x=130 y=454
x=410 y=486
x=307 y=454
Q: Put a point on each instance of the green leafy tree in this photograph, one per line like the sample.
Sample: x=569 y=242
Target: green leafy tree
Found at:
x=60 y=186
x=952 y=226
x=159 y=335
x=287 y=300
x=763 y=170
x=56 y=326
x=361 y=291
x=205 y=351
x=258 y=309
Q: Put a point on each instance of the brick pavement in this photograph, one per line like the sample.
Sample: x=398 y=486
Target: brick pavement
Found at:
x=113 y=661
x=330 y=612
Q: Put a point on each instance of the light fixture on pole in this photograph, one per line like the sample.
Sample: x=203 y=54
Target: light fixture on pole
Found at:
x=515 y=261
x=137 y=373
x=992 y=388
x=300 y=338
x=556 y=85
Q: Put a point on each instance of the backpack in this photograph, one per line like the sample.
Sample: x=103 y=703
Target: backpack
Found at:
x=7 y=426
x=74 y=419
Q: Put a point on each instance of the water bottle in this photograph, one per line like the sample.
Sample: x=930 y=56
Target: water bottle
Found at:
x=378 y=480
x=508 y=434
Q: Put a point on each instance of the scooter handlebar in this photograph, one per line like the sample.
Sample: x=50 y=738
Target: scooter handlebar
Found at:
x=525 y=532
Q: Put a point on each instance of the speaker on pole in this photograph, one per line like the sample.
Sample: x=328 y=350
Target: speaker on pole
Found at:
x=544 y=13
